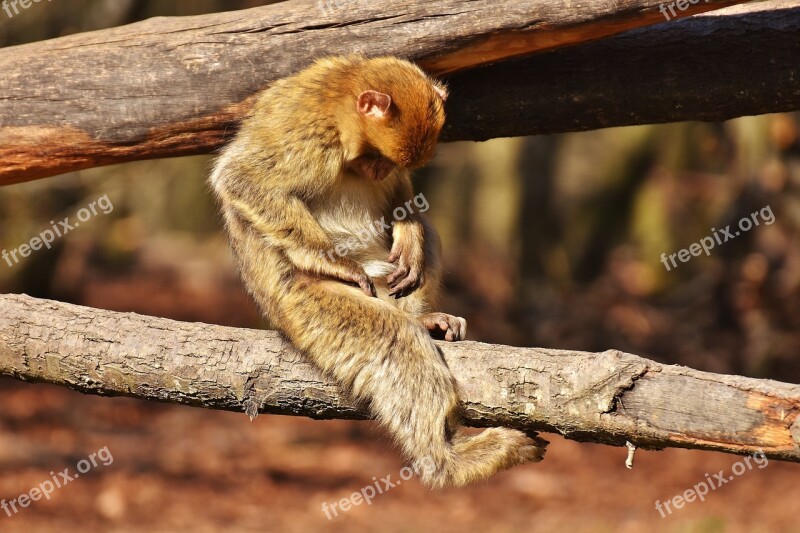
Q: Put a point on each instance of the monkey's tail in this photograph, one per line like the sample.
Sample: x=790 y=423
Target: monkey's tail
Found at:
x=388 y=361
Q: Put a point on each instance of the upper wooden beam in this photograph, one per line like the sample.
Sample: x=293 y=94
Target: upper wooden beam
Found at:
x=739 y=61
x=174 y=86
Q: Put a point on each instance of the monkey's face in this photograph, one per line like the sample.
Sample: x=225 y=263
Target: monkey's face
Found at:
x=401 y=121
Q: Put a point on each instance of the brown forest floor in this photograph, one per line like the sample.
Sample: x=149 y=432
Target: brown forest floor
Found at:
x=180 y=469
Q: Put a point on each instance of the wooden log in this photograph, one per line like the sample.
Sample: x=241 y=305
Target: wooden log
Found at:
x=176 y=86
x=739 y=61
x=609 y=397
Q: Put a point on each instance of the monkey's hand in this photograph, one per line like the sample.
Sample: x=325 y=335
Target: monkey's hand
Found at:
x=352 y=272
x=409 y=256
x=363 y=280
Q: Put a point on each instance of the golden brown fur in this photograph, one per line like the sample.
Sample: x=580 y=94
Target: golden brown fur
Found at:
x=321 y=157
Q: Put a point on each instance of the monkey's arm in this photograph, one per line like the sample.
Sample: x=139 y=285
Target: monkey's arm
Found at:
x=408 y=245
x=286 y=223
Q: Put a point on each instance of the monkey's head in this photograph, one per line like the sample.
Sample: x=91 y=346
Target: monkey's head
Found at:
x=400 y=112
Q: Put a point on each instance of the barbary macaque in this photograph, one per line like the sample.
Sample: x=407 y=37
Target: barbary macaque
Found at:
x=321 y=156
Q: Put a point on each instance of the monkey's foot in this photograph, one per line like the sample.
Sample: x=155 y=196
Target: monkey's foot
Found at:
x=512 y=447
x=516 y=447
x=534 y=449
x=444 y=326
x=477 y=457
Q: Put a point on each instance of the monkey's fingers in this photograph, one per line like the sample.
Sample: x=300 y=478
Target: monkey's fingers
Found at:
x=366 y=285
x=534 y=436
x=403 y=286
x=399 y=273
x=443 y=326
x=369 y=289
x=457 y=329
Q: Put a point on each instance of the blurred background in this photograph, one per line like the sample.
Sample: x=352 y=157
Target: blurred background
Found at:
x=551 y=241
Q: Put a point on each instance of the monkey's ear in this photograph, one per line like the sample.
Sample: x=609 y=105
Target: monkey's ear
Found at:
x=441 y=91
x=374 y=104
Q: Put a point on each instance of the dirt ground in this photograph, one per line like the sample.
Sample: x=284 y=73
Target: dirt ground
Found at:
x=172 y=468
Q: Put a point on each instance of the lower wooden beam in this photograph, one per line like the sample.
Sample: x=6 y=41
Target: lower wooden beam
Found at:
x=609 y=397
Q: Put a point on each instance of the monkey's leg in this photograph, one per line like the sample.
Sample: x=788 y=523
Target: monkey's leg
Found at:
x=441 y=326
x=422 y=301
x=388 y=361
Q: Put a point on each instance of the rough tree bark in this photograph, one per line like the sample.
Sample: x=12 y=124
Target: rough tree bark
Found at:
x=610 y=397
x=175 y=86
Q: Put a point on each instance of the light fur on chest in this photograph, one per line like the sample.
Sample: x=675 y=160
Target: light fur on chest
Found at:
x=353 y=216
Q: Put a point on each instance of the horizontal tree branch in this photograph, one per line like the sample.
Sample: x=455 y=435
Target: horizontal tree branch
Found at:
x=609 y=397
x=734 y=62
x=175 y=86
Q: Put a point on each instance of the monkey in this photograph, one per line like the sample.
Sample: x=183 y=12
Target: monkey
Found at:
x=322 y=156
